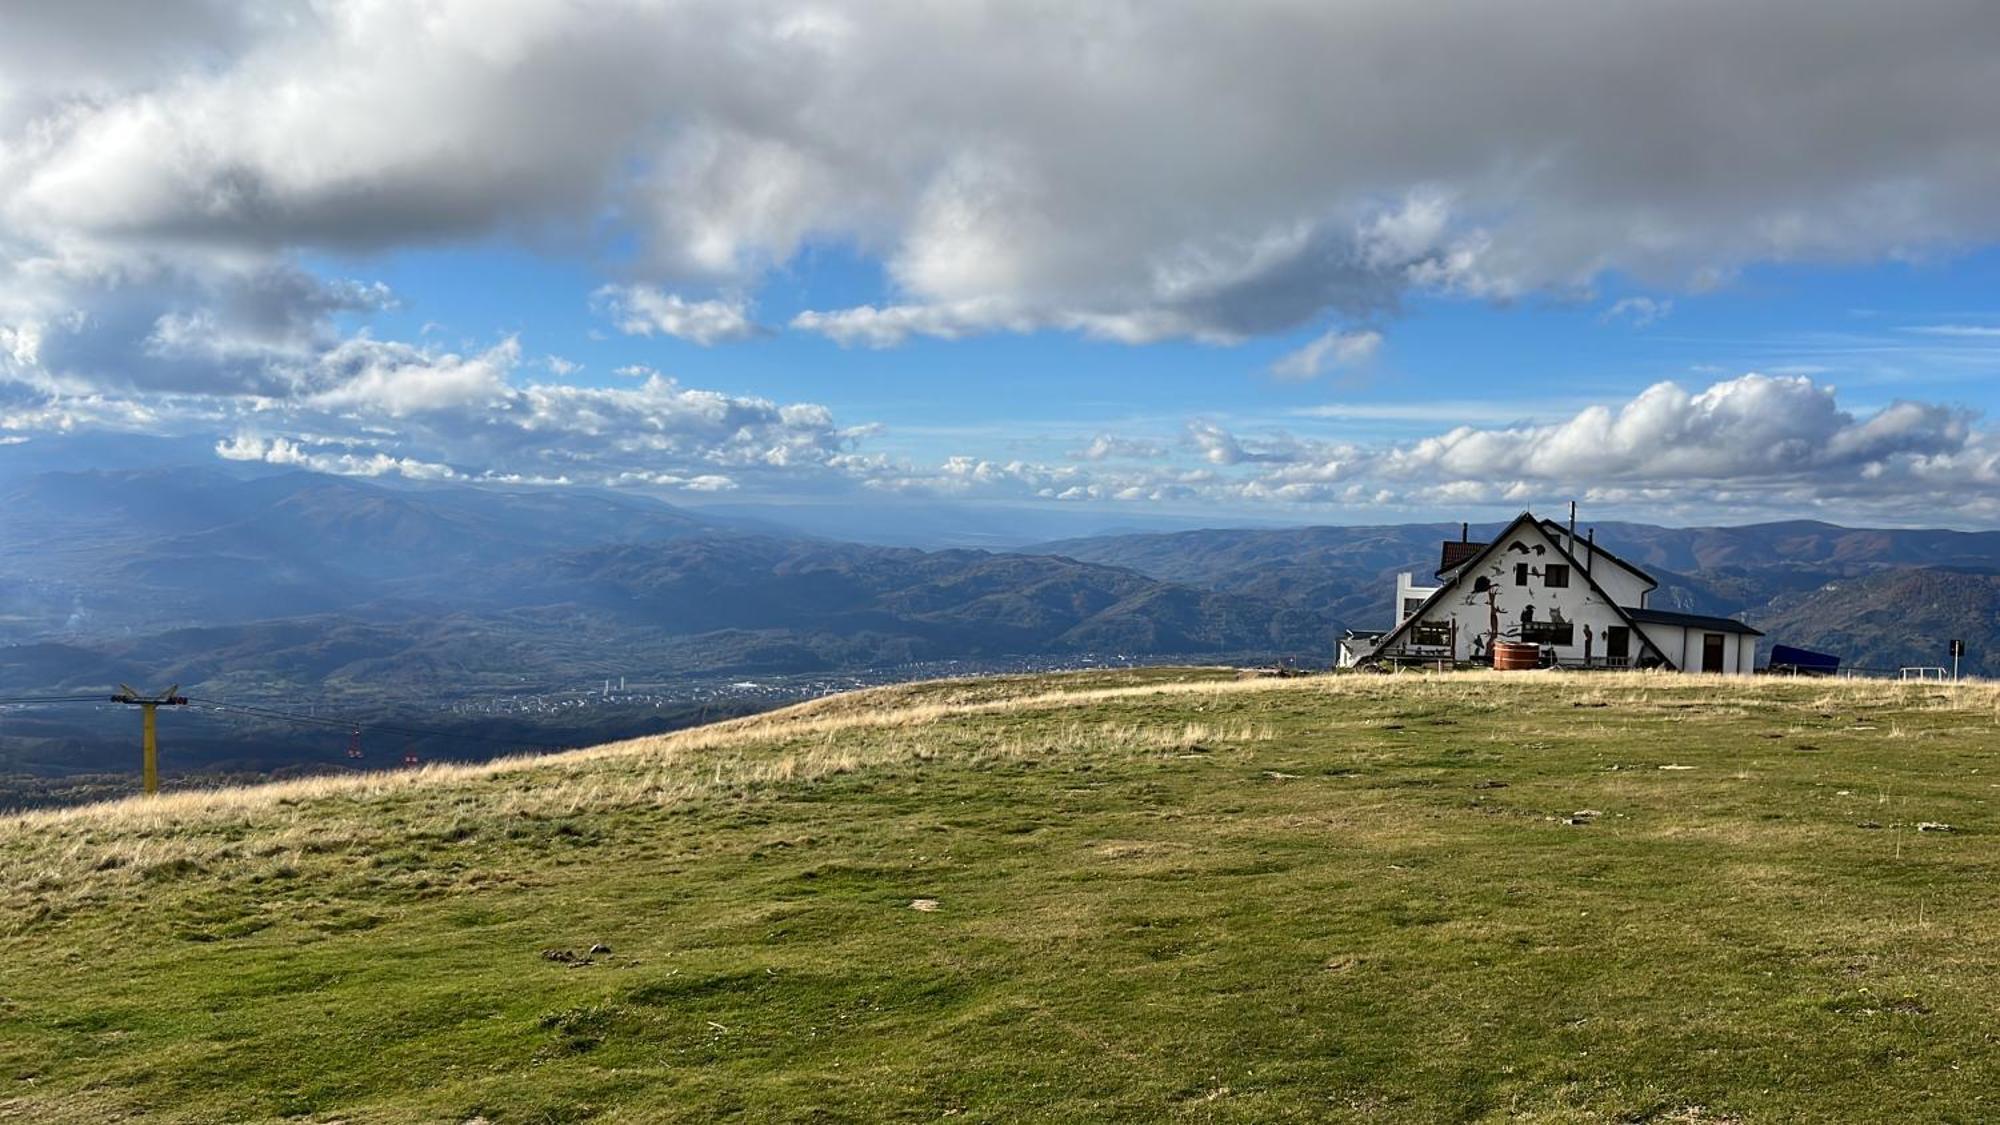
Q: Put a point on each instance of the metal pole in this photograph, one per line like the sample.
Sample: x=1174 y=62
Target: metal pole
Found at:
x=152 y=719
x=149 y=707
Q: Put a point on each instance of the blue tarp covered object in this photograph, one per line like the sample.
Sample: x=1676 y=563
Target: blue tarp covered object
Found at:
x=1803 y=660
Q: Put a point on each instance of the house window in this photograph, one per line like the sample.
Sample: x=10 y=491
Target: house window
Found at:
x=1556 y=576
x=1412 y=605
x=1520 y=574
x=1548 y=632
x=1430 y=634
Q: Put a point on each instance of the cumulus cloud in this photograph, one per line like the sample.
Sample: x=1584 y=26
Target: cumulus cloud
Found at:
x=1752 y=428
x=1111 y=447
x=643 y=310
x=1012 y=167
x=1219 y=446
x=371 y=407
x=398 y=380
x=1334 y=349
x=281 y=451
x=1755 y=444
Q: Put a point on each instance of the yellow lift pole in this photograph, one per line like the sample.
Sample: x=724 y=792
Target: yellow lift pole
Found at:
x=150 y=706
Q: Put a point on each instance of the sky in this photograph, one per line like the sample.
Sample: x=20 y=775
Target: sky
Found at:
x=1246 y=263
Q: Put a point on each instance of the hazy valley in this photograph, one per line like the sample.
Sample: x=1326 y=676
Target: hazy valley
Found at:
x=486 y=620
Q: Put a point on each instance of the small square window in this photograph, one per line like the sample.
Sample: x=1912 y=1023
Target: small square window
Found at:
x=1520 y=574
x=1556 y=577
x=1431 y=634
x=1548 y=632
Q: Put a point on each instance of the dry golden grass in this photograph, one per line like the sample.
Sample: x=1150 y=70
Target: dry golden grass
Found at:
x=78 y=853
x=889 y=709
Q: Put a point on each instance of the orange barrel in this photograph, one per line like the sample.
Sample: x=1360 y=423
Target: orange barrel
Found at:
x=1509 y=656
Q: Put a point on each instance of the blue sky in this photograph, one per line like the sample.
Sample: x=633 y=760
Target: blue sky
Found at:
x=1877 y=332
x=1867 y=328
x=1351 y=262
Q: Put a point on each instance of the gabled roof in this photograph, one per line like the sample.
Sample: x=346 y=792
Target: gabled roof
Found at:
x=1458 y=574
x=1693 y=621
x=1562 y=533
x=1457 y=553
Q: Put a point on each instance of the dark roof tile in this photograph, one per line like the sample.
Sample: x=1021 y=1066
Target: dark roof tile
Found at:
x=1456 y=553
x=1692 y=621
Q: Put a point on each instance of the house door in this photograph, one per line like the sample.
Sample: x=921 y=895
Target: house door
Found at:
x=1711 y=652
x=1618 y=646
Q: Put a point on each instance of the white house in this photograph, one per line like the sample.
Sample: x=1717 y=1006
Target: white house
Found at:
x=1536 y=582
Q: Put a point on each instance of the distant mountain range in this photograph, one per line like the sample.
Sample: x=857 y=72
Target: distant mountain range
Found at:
x=406 y=599
x=93 y=553
x=378 y=600
x=150 y=558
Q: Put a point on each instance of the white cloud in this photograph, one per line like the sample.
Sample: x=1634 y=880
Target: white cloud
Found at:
x=1639 y=312
x=891 y=326
x=1110 y=447
x=1963 y=331
x=369 y=407
x=398 y=380
x=1754 y=445
x=706 y=482
x=1334 y=349
x=872 y=327
x=642 y=310
x=279 y=451
x=1219 y=446
x=1744 y=430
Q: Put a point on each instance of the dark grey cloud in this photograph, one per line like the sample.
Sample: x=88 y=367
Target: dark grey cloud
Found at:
x=149 y=326
x=105 y=46
x=1135 y=171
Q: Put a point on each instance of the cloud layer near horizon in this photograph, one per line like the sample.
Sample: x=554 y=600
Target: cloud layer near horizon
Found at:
x=1755 y=445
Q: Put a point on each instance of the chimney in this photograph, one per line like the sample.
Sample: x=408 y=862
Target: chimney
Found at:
x=1465 y=532
x=1572 y=526
x=1590 y=554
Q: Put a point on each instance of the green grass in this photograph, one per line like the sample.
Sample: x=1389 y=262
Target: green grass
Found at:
x=1159 y=896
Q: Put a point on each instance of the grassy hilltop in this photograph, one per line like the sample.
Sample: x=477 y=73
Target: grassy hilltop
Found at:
x=1161 y=895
